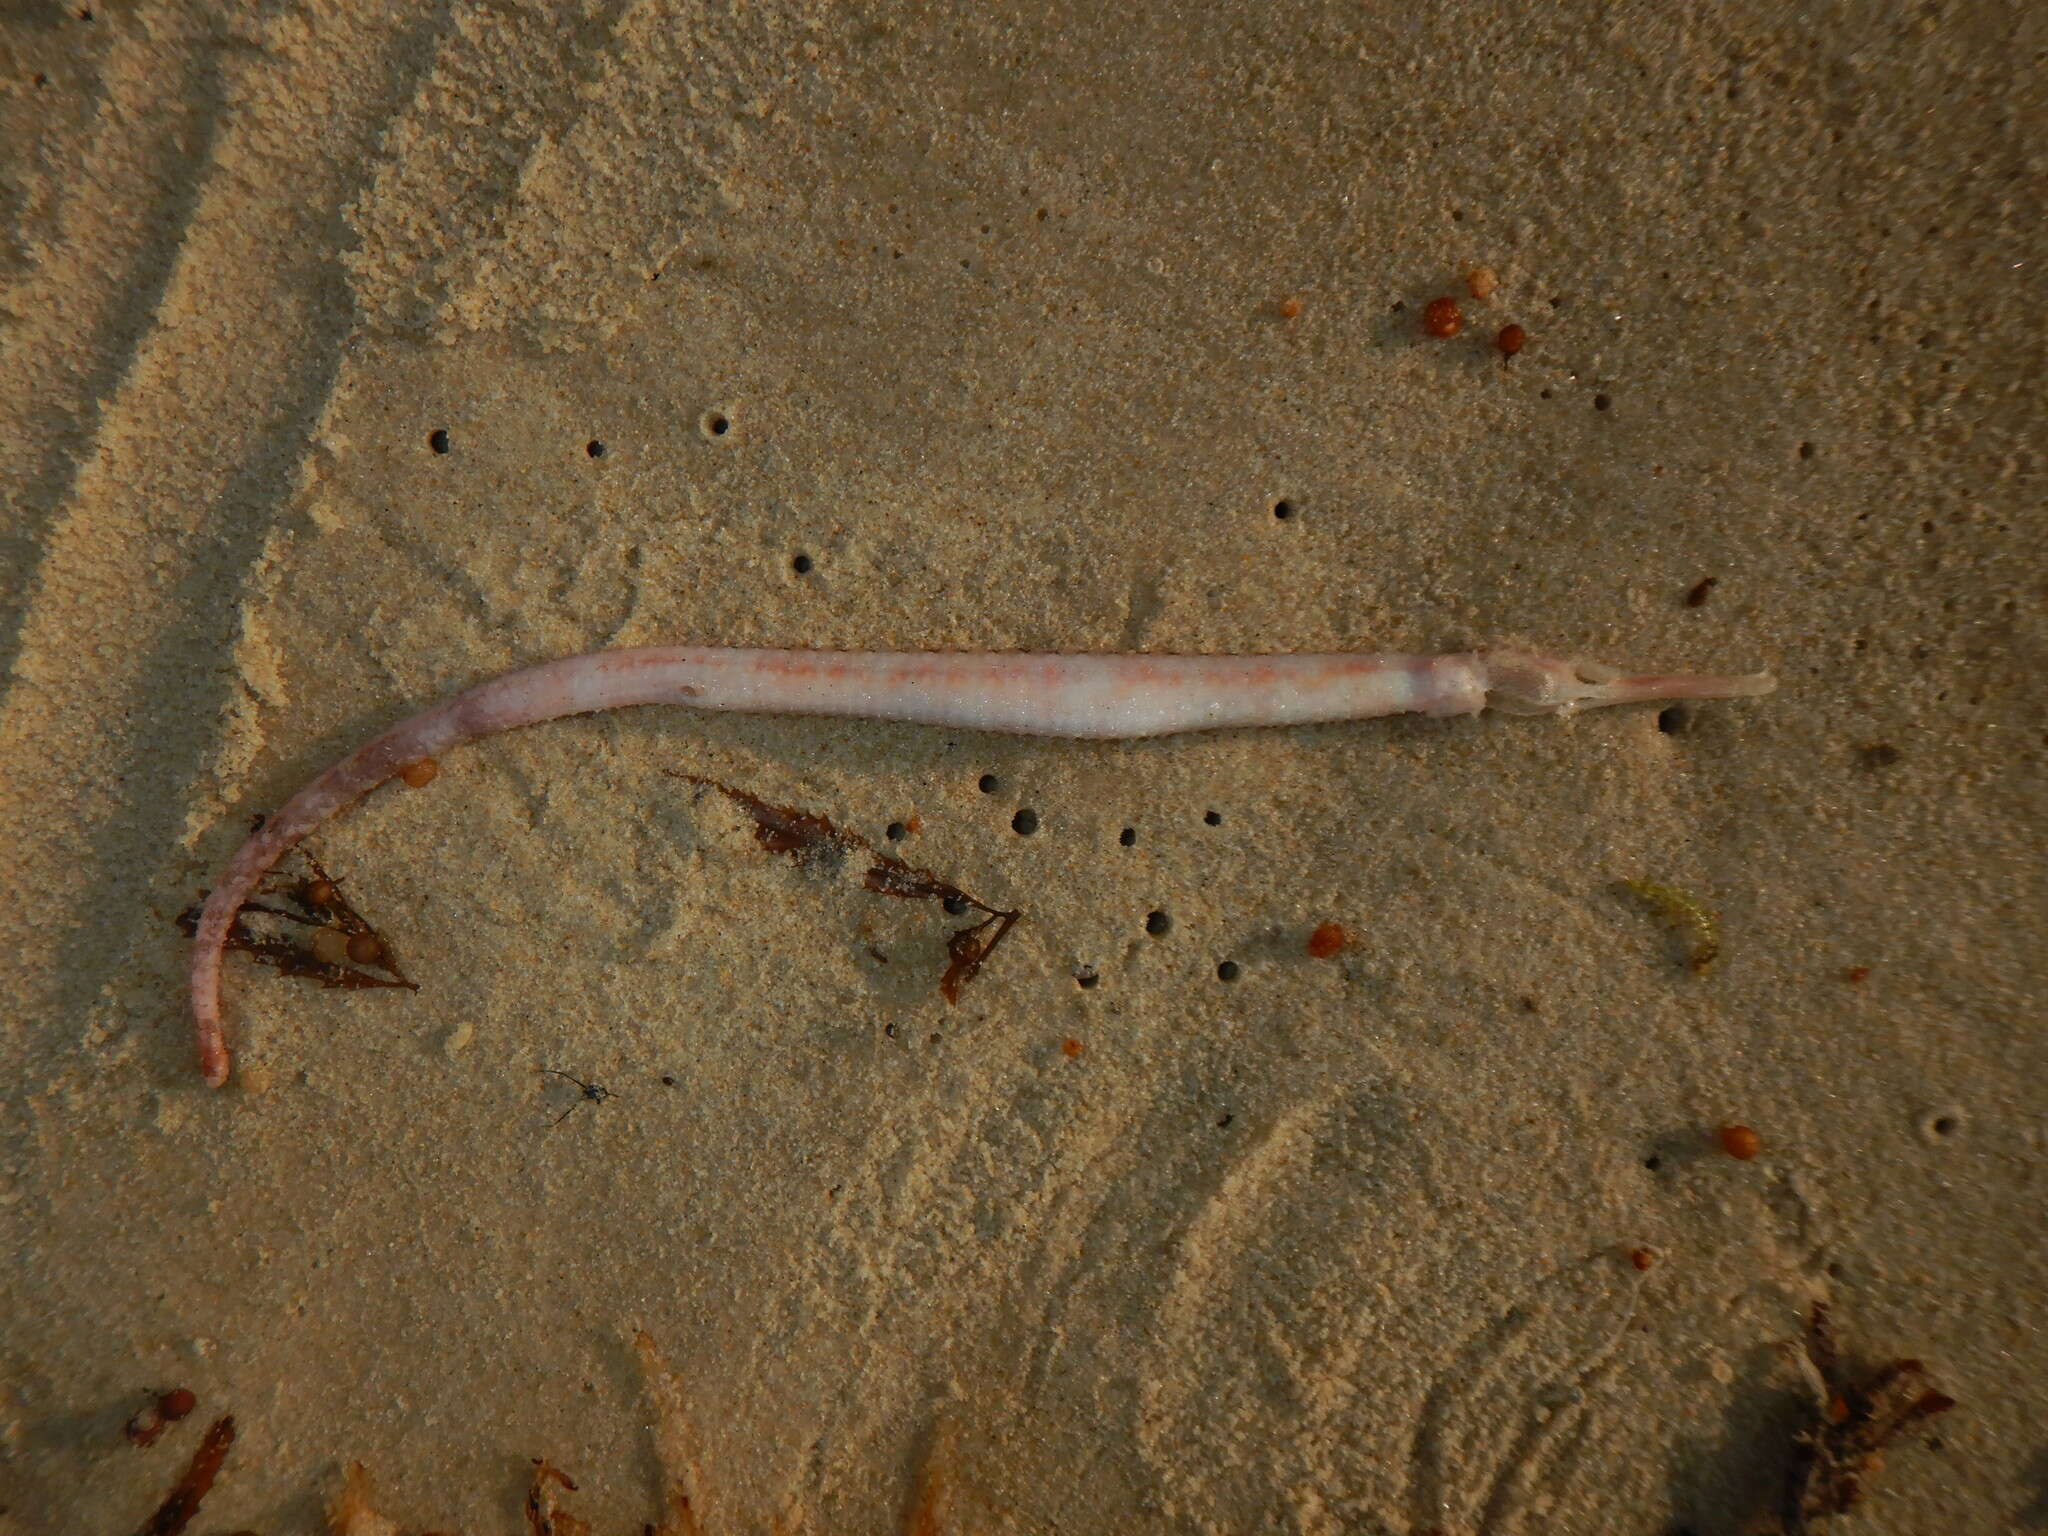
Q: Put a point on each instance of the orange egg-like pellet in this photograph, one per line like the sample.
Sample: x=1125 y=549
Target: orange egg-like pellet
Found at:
x=1290 y=309
x=1641 y=1258
x=1071 y=1047
x=1328 y=939
x=322 y=893
x=1481 y=281
x=1740 y=1142
x=1443 y=319
x=177 y=1403
x=1512 y=339
x=420 y=774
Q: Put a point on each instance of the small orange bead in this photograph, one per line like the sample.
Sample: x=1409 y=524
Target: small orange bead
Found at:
x=1443 y=319
x=1642 y=1258
x=1328 y=939
x=1512 y=339
x=1290 y=309
x=1071 y=1046
x=176 y=1403
x=322 y=893
x=1740 y=1142
x=1481 y=281
x=420 y=774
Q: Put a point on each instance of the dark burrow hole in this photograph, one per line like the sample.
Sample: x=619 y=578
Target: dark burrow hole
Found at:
x=1025 y=822
x=897 y=832
x=1157 y=923
x=801 y=564
x=1128 y=836
x=1283 y=510
x=438 y=439
x=1086 y=977
x=1227 y=971
x=989 y=784
x=594 y=448
x=1212 y=818
x=1673 y=719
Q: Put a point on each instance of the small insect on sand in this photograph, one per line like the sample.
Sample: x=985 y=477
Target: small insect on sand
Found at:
x=1099 y=697
x=592 y=1093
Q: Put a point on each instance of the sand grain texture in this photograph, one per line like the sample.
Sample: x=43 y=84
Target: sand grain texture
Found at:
x=985 y=314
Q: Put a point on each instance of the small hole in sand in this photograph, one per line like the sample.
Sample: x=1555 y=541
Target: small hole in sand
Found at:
x=1212 y=818
x=1227 y=971
x=715 y=424
x=1025 y=822
x=988 y=784
x=1674 y=719
x=1806 y=450
x=1283 y=510
x=897 y=832
x=1601 y=403
x=1157 y=924
x=801 y=565
x=594 y=448
x=438 y=439
x=955 y=905
x=1086 y=977
x=1942 y=1125
x=1128 y=836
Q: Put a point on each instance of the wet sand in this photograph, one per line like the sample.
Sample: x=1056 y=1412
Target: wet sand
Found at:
x=350 y=354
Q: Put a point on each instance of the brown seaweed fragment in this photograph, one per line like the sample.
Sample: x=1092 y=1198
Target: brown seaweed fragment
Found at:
x=1849 y=1425
x=182 y=1503
x=543 y=1516
x=802 y=834
x=318 y=937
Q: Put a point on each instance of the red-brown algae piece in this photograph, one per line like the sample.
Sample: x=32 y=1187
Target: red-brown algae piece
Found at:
x=1327 y=941
x=1443 y=319
x=184 y=1499
x=1837 y=1450
x=783 y=829
x=1641 y=1258
x=1071 y=1047
x=419 y=773
x=1510 y=340
x=1290 y=309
